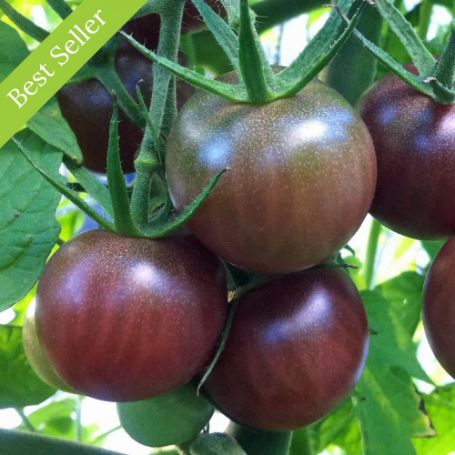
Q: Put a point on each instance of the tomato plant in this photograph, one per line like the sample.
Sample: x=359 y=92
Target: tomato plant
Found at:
x=164 y=301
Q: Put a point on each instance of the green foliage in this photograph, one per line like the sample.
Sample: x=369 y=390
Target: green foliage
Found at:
x=440 y=405
x=28 y=229
x=48 y=123
x=19 y=385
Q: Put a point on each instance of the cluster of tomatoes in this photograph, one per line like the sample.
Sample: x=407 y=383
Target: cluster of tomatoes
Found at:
x=127 y=319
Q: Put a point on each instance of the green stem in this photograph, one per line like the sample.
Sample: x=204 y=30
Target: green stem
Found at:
x=21 y=22
x=261 y=442
x=222 y=346
x=60 y=7
x=426 y=8
x=26 y=420
x=372 y=248
x=445 y=69
x=171 y=19
x=251 y=63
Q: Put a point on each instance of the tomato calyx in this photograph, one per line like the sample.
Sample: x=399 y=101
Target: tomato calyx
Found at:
x=434 y=78
x=258 y=84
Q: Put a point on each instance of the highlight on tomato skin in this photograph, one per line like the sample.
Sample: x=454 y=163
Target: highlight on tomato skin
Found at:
x=414 y=139
x=125 y=319
x=301 y=176
x=297 y=347
x=439 y=308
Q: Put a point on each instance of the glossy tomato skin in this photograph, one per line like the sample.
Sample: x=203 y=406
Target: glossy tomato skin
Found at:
x=414 y=138
x=297 y=347
x=87 y=106
x=126 y=319
x=439 y=307
x=37 y=356
x=301 y=176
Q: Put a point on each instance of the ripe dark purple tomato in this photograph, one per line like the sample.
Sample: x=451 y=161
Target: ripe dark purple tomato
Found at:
x=87 y=106
x=297 y=347
x=301 y=176
x=127 y=319
x=414 y=138
x=439 y=307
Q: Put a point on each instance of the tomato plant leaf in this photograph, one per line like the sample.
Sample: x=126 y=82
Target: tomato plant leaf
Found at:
x=387 y=406
x=48 y=123
x=28 y=229
x=386 y=401
x=19 y=385
x=391 y=343
x=339 y=429
x=440 y=405
x=22 y=443
x=58 y=419
x=60 y=185
x=404 y=293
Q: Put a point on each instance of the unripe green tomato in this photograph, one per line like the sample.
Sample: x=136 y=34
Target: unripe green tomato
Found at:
x=173 y=418
x=37 y=357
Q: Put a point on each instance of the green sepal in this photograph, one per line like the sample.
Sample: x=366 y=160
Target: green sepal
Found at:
x=445 y=69
x=223 y=34
x=253 y=66
x=320 y=50
x=234 y=93
x=108 y=76
x=175 y=224
x=63 y=189
x=116 y=181
x=91 y=185
x=425 y=86
x=421 y=56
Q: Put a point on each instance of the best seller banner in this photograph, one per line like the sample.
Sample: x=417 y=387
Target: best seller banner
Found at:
x=58 y=58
